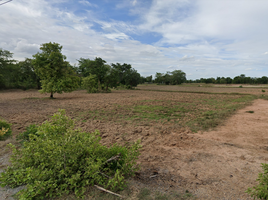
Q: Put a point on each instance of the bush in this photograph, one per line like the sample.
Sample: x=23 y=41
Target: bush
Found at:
x=59 y=159
x=90 y=83
x=260 y=191
x=31 y=129
x=5 y=130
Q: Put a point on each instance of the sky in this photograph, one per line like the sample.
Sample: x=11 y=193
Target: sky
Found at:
x=203 y=38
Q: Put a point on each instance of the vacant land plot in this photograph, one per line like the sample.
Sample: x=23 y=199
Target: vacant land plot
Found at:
x=190 y=141
x=209 y=88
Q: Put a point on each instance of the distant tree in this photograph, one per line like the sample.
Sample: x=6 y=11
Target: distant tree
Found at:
x=178 y=77
x=9 y=71
x=90 y=83
x=56 y=74
x=122 y=69
x=142 y=80
x=28 y=77
x=149 y=79
x=159 y=78
x=229 y=80
x=95 y=67
x=131 y=77
x=111 y=78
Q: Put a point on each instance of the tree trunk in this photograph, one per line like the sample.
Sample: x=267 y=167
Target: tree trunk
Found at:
x=99 y=86
x=51 y=95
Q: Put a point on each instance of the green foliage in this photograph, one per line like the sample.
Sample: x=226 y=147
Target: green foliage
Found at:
x=263 y=90
x=261 y=190
x=90 y=83
x=240 y=86
x=60 y=159
x=5 y=130
x=56 y=74
x=28 y=78
x=175 y=77
x=24 y=137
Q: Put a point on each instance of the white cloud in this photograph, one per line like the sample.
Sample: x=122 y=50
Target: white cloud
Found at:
x=134 y=2
x=204 y=38
x=86 y=3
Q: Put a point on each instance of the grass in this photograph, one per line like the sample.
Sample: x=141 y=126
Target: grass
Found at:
x=198 y=112
x=250 y=111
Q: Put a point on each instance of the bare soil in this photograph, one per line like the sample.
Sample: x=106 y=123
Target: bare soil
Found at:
x=209 y=88
x=218 y=164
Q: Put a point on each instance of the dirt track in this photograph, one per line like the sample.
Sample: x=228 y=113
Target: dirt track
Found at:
x=219 y=164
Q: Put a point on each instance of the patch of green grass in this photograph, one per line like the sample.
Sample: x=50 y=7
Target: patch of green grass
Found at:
x=200 y=112
x=144 y=194
x=250 y=111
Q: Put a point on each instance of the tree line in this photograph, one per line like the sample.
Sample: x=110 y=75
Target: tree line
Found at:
x=242 y=79
x=49 y=71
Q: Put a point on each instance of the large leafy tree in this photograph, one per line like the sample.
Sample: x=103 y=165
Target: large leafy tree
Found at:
x=111 y=78
x=95 y=67
x=131 y=77
x=178 y=77
x=55 y=72
x=123 y=70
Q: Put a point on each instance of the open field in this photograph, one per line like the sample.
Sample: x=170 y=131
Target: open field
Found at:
x=209 y=88
x=207 y=144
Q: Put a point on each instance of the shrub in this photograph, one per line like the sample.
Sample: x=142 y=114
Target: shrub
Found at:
x=90 y=83
x=260 y=191
x=240 y=86
x=59 y=159
x=31 y=129
x=263 y=90
x=5 y=130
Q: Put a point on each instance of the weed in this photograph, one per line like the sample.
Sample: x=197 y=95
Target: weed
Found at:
x=5 y=130
x=144 y=194
x=240 y=86
x=250 y=111
x=263 y=90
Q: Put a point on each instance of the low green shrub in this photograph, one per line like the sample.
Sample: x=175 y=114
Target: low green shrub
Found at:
x=5 y=130
x=31 y=129
x=261 y=190
x=60 y=159
x=90 y=83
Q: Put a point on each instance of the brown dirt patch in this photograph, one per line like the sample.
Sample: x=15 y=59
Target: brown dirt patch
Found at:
x=208 y=88
x=219 y=164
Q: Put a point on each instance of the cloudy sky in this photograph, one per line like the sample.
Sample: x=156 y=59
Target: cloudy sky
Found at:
x=203 y=38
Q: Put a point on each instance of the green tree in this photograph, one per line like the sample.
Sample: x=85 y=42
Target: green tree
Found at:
x=28 y=77
x=122 y=69
x=55 y=72
x=90 y=83
x=131 y=77
x=111 y=78
x=178 y=77
x=159 y=78
x=9 y=72
x=96 y=67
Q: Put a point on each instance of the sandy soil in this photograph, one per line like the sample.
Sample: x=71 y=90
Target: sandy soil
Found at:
x=219 y=164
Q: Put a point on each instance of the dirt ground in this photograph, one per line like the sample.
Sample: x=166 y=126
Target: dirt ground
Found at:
x=209 y=88
x=218 y=164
